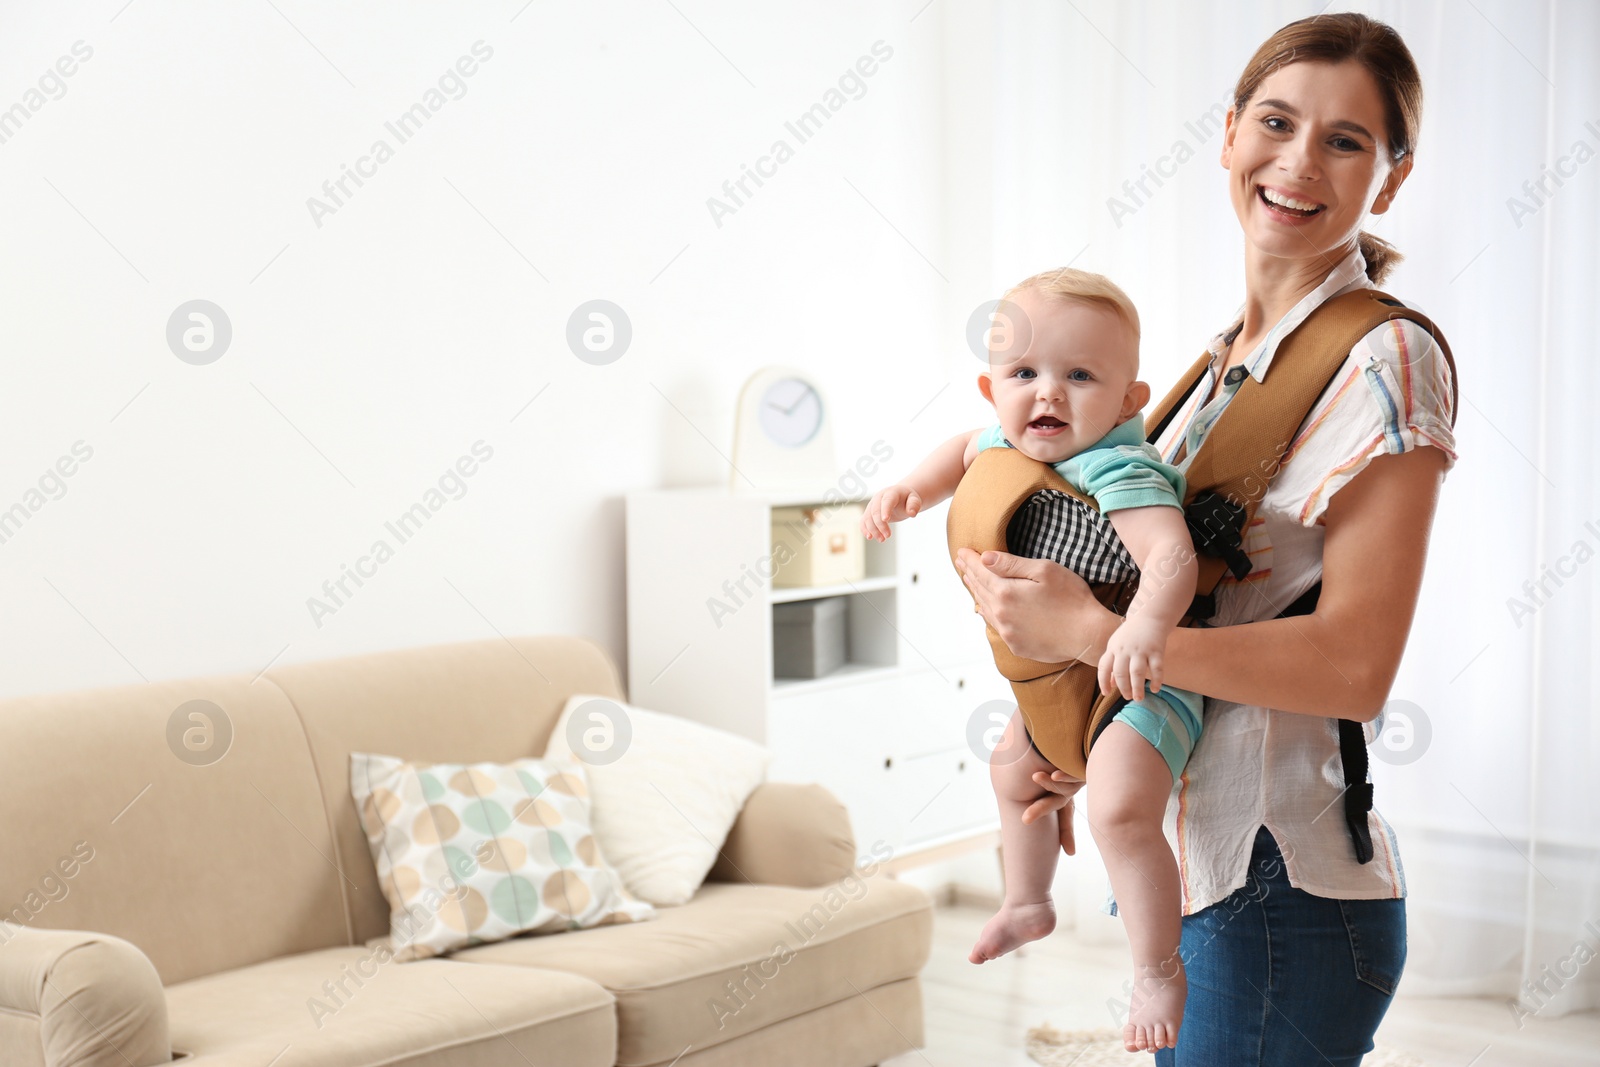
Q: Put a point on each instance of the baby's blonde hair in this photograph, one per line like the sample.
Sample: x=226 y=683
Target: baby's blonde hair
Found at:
x=1072 y=284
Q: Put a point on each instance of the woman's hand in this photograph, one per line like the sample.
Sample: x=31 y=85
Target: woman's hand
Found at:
x=1059 y=789
x=1040 y=609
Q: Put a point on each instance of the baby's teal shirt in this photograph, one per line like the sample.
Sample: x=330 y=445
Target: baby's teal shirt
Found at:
x=1119 y=471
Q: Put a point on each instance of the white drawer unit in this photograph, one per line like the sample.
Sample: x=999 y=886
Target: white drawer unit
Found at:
x=888 y=732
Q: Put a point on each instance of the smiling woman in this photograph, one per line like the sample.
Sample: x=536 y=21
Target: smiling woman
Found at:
x=1320 y=133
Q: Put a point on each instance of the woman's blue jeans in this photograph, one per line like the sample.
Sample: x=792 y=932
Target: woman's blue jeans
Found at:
x=1279 y=978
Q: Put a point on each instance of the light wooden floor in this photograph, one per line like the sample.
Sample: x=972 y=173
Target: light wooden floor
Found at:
x=979 y=1015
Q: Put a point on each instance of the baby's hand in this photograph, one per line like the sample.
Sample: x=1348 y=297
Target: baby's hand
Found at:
x=1132 y=657
x=893 y=504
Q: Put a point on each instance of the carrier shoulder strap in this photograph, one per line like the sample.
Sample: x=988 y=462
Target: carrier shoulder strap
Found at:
x=1243 y=451
x=1155 y=424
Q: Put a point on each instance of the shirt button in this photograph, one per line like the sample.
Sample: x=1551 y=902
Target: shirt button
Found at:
x=1235 y=376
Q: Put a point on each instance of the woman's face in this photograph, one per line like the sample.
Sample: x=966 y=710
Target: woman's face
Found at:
x=1313 y=134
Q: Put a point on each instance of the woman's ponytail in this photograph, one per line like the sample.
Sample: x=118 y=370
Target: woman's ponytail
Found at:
x=1381 y=256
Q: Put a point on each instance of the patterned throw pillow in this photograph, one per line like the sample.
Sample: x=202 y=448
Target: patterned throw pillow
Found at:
x=470 y=853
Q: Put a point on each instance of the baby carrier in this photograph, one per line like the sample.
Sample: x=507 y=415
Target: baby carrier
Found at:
x=1226 y=480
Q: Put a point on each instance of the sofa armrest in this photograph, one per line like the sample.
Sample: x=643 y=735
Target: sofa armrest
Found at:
x=789 y=833
x=97 y=998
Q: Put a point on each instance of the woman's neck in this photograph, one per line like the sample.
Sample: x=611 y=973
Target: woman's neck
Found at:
x=1274 y=285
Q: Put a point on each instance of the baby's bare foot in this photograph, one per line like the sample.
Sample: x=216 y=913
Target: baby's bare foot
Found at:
x=1013 y=925
x=1156 y=1008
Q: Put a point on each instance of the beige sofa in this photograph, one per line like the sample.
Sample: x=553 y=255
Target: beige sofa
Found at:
x=227 y=913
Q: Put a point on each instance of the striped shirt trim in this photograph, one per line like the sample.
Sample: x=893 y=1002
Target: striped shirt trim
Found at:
x=1386 y=401
x=1407 y=392
x=1316 y=424
x=1386 y=836
x=1183 y=838
x=1316 y=495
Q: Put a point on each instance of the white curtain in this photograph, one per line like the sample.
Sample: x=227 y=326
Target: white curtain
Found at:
x=1106 y=125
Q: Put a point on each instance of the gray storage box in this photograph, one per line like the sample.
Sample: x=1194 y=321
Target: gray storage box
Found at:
x=809 y=638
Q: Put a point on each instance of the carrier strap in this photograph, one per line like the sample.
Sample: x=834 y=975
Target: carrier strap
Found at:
x=1156 y=422
x=1352 y=753
x=1358 y=790
x=1243 y=451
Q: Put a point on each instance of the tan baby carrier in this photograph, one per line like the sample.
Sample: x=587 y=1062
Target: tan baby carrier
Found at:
x=1226 y=480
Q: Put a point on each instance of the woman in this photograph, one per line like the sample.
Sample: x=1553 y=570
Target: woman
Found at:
x=1293 y=946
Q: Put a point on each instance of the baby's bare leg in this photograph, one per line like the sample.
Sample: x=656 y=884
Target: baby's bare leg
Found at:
x=1029 y=849
x=1128 y=787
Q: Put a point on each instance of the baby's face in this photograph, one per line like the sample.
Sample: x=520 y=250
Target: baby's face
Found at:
x=1073 y=385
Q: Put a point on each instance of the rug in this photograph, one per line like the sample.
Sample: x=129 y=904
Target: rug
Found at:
x=1103 y=1048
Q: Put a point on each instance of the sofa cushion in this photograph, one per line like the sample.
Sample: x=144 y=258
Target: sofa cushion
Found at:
x=737 y=958
x=182 y=816
x=865 y=1026
x=666 y=790
x=23 y=1039
x=474 y=852
x=357 y=1007
x=460 y=703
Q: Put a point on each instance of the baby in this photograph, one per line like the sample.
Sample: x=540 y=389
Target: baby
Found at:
x=1066 y=394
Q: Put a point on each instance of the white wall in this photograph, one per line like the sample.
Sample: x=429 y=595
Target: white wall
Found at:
x=371 y=351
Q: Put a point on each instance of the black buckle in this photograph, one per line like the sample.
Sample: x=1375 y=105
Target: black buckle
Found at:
x=1216 y=524
x=1357 y=802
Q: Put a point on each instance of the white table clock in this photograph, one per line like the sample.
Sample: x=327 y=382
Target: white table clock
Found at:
x=782 y=435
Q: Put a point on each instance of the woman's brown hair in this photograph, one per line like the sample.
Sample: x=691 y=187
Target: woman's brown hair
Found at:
x=1376 y=46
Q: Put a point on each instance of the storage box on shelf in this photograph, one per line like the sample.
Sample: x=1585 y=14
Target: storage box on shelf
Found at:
x=809 y=637
x=888 y=730
x=814 y=545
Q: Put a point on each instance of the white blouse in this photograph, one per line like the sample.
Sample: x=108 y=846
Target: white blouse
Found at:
x=1256 y=766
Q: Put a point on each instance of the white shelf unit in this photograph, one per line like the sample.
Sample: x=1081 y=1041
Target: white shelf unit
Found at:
x=812 y=592
x=887 y=733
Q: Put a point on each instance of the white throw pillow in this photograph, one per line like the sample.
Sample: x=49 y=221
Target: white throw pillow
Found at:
x=665 y=791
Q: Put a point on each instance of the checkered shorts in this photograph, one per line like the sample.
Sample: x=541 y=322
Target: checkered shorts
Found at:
x=1052 y=525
